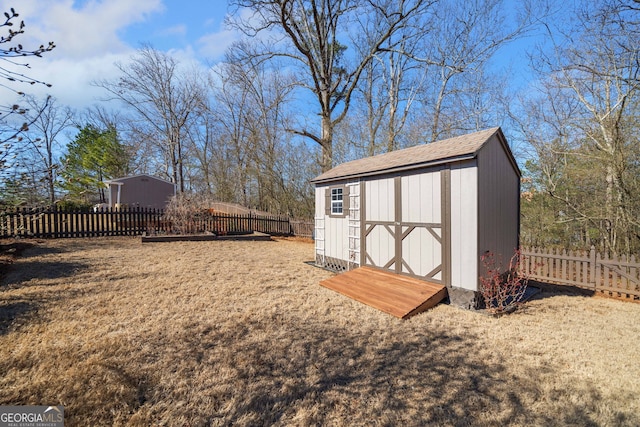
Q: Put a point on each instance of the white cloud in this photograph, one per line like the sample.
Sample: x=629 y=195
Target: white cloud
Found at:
x=91 y=29
x=214 y=45
x=92 y=35
x=88 y=43
x=72 y=80
x=176 y=30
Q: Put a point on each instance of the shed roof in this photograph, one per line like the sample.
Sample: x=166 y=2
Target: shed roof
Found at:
x=439 y=152
x=122 y=180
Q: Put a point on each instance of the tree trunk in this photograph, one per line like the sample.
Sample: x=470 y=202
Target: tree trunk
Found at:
x=435 y=131
x=101 y=194
x=52 y=190
x=180 y=168
x=326 y=143
x=610 y=213
x=394 y=82
x=50 y=178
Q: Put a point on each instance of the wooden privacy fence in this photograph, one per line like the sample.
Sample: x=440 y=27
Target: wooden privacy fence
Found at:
x=302 y=228
x=615 y=276
x=61 y=223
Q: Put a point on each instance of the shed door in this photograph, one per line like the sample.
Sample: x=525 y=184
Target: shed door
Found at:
x=405 y=227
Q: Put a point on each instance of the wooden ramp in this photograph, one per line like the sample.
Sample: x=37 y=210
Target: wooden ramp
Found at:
x=398 y=295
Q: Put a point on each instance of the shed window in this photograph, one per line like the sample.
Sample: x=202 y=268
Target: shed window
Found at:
x=336 y=201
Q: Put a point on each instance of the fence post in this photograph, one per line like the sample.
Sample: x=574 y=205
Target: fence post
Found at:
x=633 y=271
x=77 y=223
x=24 y=230
x=592 y=266
x=624 y=280
x=598 y=280
x=56 y=225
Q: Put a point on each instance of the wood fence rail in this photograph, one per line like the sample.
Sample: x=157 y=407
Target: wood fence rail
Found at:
x=616 y=276
x=63 y=223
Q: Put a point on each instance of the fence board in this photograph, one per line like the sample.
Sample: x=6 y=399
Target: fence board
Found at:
x=624 y=280
x=302 y=228
x=606 y=273
x=614 y=276
x=633 y=270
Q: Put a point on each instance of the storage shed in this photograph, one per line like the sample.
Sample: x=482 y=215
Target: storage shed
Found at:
x=143 y=191
x=429 y=211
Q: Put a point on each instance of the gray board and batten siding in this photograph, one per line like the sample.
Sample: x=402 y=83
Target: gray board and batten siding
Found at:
x=429 y=211
x=143 y=191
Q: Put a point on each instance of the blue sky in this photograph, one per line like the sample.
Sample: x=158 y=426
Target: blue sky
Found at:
x=92 y=35
x=195 y=25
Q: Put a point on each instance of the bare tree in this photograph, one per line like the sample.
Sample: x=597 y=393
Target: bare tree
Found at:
x=267 y=118
x=464 y=38
x=42 y=141
x=162 y=99
x=592 y=77
x=233 y=144
x=387 y=91
x=253 y=149
x=203 y=136
x=311 y=35
x=403 y=80
x=426 y=85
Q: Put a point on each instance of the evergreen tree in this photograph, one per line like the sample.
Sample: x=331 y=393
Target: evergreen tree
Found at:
x=94 y=156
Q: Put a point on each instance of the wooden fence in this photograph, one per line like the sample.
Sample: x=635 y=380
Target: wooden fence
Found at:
x=302 y=228
x=616 y=276
x=61 y=223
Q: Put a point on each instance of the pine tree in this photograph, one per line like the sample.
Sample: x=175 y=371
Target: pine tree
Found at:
x=94 y=156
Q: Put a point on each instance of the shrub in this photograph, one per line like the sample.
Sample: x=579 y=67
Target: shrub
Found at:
x=502 y=289
x=189 y=213
x=184 y=211
x=73 y=205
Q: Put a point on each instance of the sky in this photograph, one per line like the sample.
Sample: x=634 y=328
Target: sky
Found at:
x=91 y=36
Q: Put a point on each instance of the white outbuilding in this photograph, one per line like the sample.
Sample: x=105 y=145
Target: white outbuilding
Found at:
x=429 y=211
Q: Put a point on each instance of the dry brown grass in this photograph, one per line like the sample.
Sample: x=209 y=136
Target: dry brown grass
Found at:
x=219 y=333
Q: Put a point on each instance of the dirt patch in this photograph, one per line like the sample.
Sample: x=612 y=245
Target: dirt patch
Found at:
x=241 y=333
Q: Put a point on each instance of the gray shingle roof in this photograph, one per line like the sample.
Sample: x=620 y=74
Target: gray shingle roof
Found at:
x=126 y=178
x=410 y=158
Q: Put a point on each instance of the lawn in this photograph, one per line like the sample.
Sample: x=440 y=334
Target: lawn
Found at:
x=224 y=332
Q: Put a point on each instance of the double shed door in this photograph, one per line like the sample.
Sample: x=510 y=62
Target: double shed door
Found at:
x=405 y=227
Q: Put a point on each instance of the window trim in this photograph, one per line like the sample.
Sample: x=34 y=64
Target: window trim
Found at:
x=337 y=201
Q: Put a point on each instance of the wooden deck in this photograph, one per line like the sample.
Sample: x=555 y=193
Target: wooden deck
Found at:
x=400 y=296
